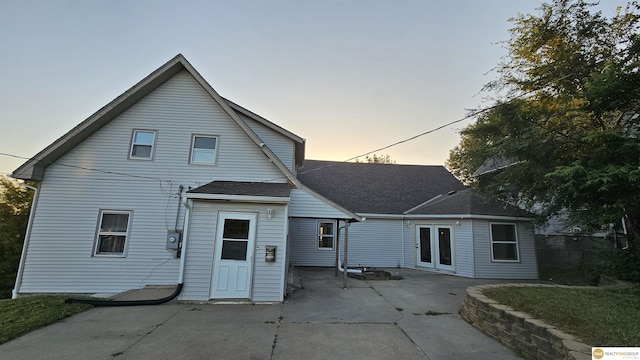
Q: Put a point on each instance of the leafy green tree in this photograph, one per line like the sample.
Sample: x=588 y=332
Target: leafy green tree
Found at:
x=15 y=205
x=568 y=124
x=378 y=159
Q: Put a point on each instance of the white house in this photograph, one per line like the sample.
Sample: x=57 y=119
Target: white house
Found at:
x=172 y=184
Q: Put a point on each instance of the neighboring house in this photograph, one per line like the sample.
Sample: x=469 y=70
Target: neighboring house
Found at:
x=171 y=183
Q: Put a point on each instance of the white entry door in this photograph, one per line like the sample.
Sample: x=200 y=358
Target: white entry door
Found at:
x=233 y=257
x=434 y=244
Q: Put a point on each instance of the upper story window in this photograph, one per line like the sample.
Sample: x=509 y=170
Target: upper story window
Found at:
x=326 y=234
x=203 y=149
x=142 y=143
x=113 y=230
x=504 y=242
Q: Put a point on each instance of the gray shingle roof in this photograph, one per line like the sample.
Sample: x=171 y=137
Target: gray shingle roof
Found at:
x=244 y=188
x=377 y=188
x=469 y=202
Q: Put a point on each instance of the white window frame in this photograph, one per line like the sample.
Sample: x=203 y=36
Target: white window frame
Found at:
x=99 y=233
x=133 y=143
x=516 y=242
x=193 y=147
x=333 y=236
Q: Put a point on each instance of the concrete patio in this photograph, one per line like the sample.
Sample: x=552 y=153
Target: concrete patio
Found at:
x=412 y=318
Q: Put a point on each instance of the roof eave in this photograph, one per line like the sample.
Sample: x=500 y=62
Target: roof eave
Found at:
x=239 y=198
x=445 y=216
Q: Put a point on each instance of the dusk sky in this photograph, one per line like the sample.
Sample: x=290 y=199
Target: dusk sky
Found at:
x=348 y=76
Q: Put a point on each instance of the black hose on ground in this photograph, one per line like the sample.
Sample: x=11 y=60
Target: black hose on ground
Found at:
x=97 y=302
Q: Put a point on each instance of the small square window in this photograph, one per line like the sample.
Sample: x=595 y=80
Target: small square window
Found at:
x=203 y=149
x=113 y=230
x=504 y=242
x=142 y=142
x=326 y=235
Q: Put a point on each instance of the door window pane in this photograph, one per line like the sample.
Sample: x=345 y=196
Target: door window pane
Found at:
x=425 y=245
x=444 y=244
x=236 y=229
x=234 y=250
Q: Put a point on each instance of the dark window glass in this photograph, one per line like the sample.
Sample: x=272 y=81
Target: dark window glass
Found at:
x=444 y=244
x=204 y=142
x=111 y=244
x=425 y=245
x=503 y=232
x=234 y=250
x=505 y=252
x=236 y=229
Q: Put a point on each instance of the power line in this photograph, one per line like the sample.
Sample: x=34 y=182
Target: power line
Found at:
x=87 y=168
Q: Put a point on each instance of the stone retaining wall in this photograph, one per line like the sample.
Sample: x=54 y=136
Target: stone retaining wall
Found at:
x=529 y=337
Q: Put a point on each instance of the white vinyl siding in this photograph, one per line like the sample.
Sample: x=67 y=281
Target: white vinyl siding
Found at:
x=71 y=196
x=268 y=277
x=303 y=234
x=463 y=230
x=374 y=242
x=304 y=204
x=283 y=147
x=485 y=267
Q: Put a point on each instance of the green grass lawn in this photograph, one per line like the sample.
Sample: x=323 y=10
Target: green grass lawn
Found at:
x=596 y=316
x=23 y=315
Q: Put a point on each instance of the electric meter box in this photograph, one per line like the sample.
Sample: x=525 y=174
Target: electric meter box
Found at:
x=173 y=240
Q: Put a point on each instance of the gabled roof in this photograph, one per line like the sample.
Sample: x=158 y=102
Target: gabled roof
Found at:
x=468 y=202
x=33 y=169
x=377 y=188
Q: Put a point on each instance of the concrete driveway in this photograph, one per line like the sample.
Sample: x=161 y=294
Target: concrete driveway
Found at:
x=413 y=318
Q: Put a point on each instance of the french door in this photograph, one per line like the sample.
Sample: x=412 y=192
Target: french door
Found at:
x=434 y=245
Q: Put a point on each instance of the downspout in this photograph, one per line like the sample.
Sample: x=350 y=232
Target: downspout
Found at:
x=339 y=266
x=25 y=244
x=187 y=203
x=185 y=234
x=283 y=290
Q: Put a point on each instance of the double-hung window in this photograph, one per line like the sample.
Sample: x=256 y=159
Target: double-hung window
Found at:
x=504 y=242
x=142 y=143
x=326 y=234
x=203 y=149
x=113 y=231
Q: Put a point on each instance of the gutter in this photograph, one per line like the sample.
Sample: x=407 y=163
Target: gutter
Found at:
x=446 y=216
